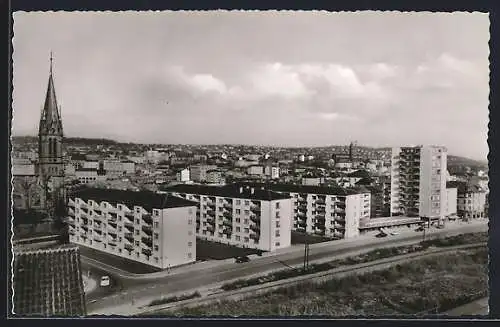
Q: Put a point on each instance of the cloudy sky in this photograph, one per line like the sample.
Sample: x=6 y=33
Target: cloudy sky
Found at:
x=383 y=79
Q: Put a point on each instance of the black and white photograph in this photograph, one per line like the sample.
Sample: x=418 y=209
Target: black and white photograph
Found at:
x=260 y=164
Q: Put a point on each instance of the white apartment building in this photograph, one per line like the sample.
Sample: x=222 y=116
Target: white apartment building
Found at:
x=451 y=201
x=471 y=200
x=239 y=216
x=272 y=171
x=90 y=165
x=255 y=170
x=154 y=229
x=418 y=182
x=215 y=176
x=183 y=175
x=325 y=211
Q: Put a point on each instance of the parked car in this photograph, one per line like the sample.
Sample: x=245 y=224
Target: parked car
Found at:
x=420 y=229
x=379 y=235
x=394 y=233
x=105 y=281
x=242 y=259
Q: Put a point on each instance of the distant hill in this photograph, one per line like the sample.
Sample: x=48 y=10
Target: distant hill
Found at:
x=67 y=140
x=462 y=161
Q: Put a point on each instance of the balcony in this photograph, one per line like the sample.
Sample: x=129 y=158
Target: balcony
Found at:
x=321 y=209
x=211 y=220
x=320 y=202
x=130 y=216
x=340 y=220
x=227 y=231
x=301 y=229
x=129 y=226
x=129 y=247
x=228 y=214
x=85 y=227
x=211 y=212
x=302 y=207
x=302 y=223
x=339 y=226
x=255 y=219
x=147 y=219
x=146 y=252
x=255 y=236
x=339 y=210
x=129 y=237
x=71 y=203
x=228 y=223
x=71 y=212
x=340 y=205
x=301 y=214
x=97 y=238
x=70 y=221
x=255 y=228
x=147 y=229
x=228 y=206
x=148 y=241
x=210 y=229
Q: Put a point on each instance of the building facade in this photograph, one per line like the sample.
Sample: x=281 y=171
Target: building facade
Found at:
x=146 y=227
x=418 y=182
x=471 y=200
x=198 y=173
x=183 y=175
x=451 y=202
x=326 y=211
x=244 y=217
x=118 y=167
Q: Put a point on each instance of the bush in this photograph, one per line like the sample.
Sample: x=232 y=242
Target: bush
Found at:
x=174 y=299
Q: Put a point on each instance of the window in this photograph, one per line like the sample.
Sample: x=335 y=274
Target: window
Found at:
x=247 y=202
x=190 y=255
x=136 y=243
x=220 y=234
x=238 y=229
x=119 y=228
x=277 y=224
x=156 y=259
x=238 y=211
x=277 y=205
x=246 y=230
x=136 y=232
x=156 y=212
x=277 y=214
x=137 y=253
x=190 y=221
x=190 y=244
x=238 y=238
x=246 y=239
x=157 y=224
x=277 y=233
x=245 y=221
x=156 y=236
x=137 y=221
x=221 y=200
x=119 y=250
x=238 y=202
x=156 y=248
x=238 y=220
x=190 y=211
x=277 y=243
x=190 y=233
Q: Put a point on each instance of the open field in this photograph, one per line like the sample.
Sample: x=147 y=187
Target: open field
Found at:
x=427 y=286
x=206 y=250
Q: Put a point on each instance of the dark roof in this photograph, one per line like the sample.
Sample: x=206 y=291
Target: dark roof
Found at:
x=360 y=173
x=78 y=156
x=365 y=181
x=48 y=282
x=147 y=199
x=304 y=189
x=228 y=191
x=86 y=169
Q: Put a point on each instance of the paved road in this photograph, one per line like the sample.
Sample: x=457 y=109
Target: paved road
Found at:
x=137 y=290
x=479 y=307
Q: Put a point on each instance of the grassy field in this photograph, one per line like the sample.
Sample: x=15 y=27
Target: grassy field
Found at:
x=425 y=286
x=206 y=250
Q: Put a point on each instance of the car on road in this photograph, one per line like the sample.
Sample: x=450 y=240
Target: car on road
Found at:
x=420 y=229
x=379 y=235
x=105 y=281
x=242 y=259
x=394 y=233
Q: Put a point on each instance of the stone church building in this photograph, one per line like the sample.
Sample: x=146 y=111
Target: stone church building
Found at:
x=42 y=189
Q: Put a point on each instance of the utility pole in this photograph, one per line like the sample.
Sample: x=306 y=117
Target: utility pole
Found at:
x=306 y=256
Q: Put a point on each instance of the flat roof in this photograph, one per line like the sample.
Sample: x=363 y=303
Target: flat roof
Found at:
x=228 y=191
x=306 y=189
x=147 y=199
x=389 y=221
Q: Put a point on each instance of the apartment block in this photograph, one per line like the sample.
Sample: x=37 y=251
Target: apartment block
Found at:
x=326 y=211
x=117 y=167
x=215 y=176
x=244 y=217
x=183 y=175
x=272 y=171
x=418 y=182
x=154 y=229
x=255 y=170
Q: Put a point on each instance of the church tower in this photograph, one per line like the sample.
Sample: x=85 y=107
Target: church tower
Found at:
x=50 y=152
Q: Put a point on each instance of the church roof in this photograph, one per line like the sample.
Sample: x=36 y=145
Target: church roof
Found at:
x=48 y=282
x=50 y=119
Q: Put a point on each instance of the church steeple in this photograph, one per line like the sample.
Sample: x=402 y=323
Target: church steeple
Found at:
x=50 y=119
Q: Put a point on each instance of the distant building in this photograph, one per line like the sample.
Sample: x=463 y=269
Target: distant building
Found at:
x=451 y=201
x=183 y=175
x=198 y=173
x=418 y=182
x=272 y=171
x=118 y=168
x=215 y=176
x=90 y=165
x=89 y=175
x=255 y=170
x=244 y=217
x=154 y=229
x=48 y=282
x=312 y=181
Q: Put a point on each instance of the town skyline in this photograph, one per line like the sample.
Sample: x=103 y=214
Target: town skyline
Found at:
x=262 y=94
